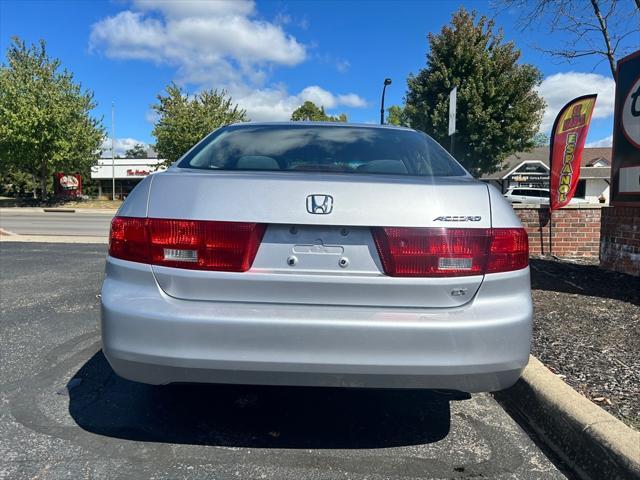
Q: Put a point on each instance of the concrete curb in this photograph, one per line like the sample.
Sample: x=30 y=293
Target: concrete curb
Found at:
x=590 y=440
x=59 y=210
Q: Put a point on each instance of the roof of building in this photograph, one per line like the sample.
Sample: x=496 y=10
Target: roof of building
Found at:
x=595 y=172
x=589 y=157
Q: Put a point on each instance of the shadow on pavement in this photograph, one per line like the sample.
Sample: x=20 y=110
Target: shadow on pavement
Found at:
x=583 y=279
x=255 y=416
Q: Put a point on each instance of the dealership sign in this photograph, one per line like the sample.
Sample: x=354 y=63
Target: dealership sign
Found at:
x=138 y=172
x=625 y=165
x=126 y=168
x=67 y=185
x=69 y=182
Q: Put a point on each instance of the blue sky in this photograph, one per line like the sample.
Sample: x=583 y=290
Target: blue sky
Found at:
x=271 y=56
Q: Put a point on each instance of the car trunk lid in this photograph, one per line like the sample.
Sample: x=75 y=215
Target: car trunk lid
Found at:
x=326 y=257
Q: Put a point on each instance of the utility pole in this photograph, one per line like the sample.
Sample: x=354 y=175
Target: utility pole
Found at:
x=113 y=155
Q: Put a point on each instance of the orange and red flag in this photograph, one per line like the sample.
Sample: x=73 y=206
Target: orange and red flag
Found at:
x=567 y=143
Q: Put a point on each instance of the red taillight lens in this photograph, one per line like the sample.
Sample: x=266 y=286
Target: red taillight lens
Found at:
x=225 y=246
x=450 y=252
x=129 y=240
x=509 y=250
x=432 y=252
x=192 y=244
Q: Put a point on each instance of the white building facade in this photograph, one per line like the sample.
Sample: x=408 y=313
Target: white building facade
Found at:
x=127 y=172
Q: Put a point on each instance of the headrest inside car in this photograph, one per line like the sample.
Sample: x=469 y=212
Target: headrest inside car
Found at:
x=257 y=162
x=383 y=166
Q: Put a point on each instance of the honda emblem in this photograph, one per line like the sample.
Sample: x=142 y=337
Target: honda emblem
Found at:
x=320 y=204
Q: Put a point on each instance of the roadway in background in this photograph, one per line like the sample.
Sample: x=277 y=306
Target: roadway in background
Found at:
x=22 y=221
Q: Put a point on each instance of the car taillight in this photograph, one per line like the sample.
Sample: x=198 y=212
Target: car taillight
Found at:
x=129 y=240
x=509 y=250
x=450 y=252
x=192 y=244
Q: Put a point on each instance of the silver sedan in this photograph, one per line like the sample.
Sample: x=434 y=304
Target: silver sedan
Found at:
x=317 y=254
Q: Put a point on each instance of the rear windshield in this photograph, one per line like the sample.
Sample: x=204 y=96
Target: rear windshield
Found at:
x=317 y=148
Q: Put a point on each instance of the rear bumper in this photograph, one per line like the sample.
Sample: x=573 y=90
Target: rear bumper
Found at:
x=153 y=338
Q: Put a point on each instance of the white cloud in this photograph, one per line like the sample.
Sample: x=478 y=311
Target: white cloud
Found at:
x=212 y=41
x=352 y=100
x=267 y=104
x=219 y=44
x=319 y=96
x=274 y=104
x=120 y=146
x=560 y=88
x=603 y=142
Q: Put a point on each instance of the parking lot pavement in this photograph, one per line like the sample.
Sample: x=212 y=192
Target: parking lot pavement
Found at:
x=65 y=414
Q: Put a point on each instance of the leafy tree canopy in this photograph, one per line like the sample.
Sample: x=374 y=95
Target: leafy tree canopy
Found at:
x=45 y=120
x=137 y=151
x=540 y=140
x=310 y=112
x=396 y=115
x=185 y=120
x=498 y=108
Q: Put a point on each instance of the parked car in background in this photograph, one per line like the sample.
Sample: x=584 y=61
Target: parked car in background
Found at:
x=532 y=195
x=317 y=254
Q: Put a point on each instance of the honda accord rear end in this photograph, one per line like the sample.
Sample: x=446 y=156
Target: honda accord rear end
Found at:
x=317 y=254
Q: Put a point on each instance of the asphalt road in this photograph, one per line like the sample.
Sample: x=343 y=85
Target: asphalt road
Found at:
x=65 y=414
x=30 y=222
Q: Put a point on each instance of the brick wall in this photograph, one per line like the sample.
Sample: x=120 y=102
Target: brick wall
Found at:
x=576 y=229
x=620 y=246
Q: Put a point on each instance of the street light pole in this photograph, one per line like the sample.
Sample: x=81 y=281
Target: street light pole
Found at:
x=113 y=155
x=387 y=81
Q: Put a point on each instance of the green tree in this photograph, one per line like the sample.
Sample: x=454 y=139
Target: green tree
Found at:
x=540 y=140
x=137 y=151
x=45 y=117
x=185 y=120
x=396 y=115
x=498 y=108
x=15 y=183
x=310 y=112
